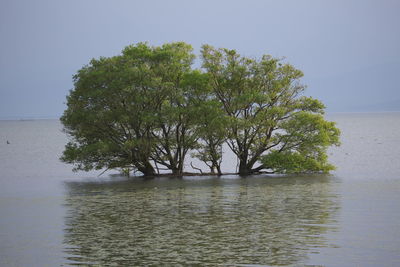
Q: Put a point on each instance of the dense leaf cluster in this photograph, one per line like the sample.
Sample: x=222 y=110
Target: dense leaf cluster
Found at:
x=147 y=108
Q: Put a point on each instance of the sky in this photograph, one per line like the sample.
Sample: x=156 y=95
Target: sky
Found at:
x=349 y=51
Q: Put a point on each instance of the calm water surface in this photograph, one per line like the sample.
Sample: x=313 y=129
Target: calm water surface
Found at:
x=50 y=216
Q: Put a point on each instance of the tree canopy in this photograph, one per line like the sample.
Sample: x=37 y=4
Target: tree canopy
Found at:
x=148 y=108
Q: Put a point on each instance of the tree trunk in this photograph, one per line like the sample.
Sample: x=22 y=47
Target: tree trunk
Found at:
x=177 y=171
x=219 y=170
x=147 y=169
x=243 y=170
x=212 y=169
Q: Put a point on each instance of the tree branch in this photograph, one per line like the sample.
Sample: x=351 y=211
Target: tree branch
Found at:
x=196 y=168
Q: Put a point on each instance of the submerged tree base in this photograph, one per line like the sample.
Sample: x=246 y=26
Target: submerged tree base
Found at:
x=201 y=174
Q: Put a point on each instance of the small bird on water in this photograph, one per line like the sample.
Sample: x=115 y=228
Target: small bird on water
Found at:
x=8 y=142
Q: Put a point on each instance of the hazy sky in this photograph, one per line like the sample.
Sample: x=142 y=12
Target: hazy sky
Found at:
x=348 y=50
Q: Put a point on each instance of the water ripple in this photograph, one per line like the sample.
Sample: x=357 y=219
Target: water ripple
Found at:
x=264 y=221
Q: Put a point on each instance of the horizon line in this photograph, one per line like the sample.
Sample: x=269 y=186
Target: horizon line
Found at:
x=32 y=118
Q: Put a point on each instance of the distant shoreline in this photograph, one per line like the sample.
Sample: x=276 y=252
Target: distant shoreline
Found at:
x=28 y=119
x=360 y=112
x=327 y=113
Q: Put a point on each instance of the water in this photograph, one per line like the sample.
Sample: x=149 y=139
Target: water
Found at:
x=50 y=216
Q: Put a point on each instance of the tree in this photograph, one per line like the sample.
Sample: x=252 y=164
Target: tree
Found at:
x=96 y=117
x=148 y=107
x=125 y=110
x=263 y=101
x=174 y=115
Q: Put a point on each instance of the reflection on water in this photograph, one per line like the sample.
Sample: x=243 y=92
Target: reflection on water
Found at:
x=253 y=220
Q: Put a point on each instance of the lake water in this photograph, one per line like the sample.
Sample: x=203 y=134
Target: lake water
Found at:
x=50 y=216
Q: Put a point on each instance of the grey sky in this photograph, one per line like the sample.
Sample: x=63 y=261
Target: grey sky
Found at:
x=348 y=50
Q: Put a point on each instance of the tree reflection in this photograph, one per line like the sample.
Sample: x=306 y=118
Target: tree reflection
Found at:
x=272 y=221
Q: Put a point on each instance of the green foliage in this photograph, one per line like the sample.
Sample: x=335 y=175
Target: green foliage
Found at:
x=210 y=128
x=305 y=139
x=262 y=99
x=295 y=162
x=147 y=107
x=120 y=105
